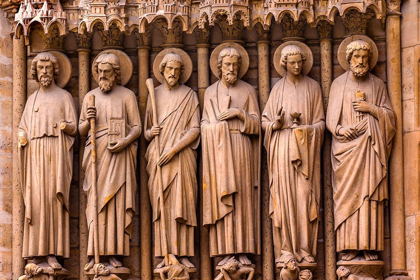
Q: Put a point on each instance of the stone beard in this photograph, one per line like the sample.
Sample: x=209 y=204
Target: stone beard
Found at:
x=361 y=147
x=117 y=115
x=46 y=163
x=294 y=160
x=178 y=116
x=230 y=130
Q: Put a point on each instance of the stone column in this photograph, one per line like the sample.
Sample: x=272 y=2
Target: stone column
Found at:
x=19 y=100
x=83 y=43
x=267 y=249
x=203 y=68
x=325 y=40
x=396 y=172
x=143 y=41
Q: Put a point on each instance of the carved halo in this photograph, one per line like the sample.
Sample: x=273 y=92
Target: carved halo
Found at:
x=215 y=55
x=307 y=66
x=125 y=64
x=64 y=68
x=343 y=46
x=188 y=67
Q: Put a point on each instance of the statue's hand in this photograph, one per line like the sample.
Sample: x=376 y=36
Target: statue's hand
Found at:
x=91 y=112
x=279 y=121
x=229 y=114
x=362 y=106
x=118 y=145
x=166 y=156
x=22 y=141
x=350 y=133
x=155 y=131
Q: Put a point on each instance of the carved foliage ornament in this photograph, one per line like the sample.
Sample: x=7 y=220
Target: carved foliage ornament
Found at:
x=292 y=28
x=355 y=22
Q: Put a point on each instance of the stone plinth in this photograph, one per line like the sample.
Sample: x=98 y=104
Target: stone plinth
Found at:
x=364 y=269
x=47 y=273
x=302 y=266
x=121 y=272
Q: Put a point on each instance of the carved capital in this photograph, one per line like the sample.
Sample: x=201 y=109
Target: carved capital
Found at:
x=393 y=7
x=84 y=41
x=144 y=39
x=171 y=36
x=324 y=30
x=263 y=35
x=202 y=35
x=111 y=38
x=230 y=32
x=292 y=28
x=53 y=40
x=355 y=22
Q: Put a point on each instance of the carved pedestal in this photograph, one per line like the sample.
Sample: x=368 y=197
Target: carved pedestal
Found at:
x=303 y=266
x=359 y=268
x=179 y=271
x=114 y=273
x=43 y=271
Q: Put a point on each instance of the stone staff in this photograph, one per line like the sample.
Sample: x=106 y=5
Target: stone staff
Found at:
x=150 y=87
x=94 y=182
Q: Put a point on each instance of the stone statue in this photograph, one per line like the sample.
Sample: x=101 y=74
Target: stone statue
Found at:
x=234 y=270
x=46 y=136
x=230 y=130
x=178 y=118
x=294 y=157
x=362 y=122
x=118 y=125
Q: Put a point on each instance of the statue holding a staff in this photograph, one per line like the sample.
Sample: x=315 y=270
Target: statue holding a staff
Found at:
x=172 y=125
x=114 y=157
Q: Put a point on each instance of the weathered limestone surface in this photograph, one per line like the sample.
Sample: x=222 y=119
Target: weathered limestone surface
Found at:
x=261 y=75
x=410 y=55
x=6 y=117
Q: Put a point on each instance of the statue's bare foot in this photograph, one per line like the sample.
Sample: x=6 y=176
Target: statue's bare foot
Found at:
x=187 y=263
x=223 y=262
x=114 y=262
x=349 y=255
x=52 y=261
x=90 y=264
x=309 y=259
x=243 y=259
x=370 y=255
x=161 y=264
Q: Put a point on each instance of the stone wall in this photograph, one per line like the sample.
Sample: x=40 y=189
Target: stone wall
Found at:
x=5 y=149
x=410 y=39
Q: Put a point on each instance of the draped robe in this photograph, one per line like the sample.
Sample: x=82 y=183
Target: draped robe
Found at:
x=177 y=113
x=360 y=166
x=46 y=168
x=231 y=155
x=116 y=172
x=294 y=157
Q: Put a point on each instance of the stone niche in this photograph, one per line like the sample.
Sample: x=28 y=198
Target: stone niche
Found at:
x=141 y=30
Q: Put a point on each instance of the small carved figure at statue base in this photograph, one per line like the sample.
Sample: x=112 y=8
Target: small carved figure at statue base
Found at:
x=234 y=270
x=290 y=271
x=103 y=273
x=305 y=274
x=43 y=271
x=106 y=271
x=175 y=270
